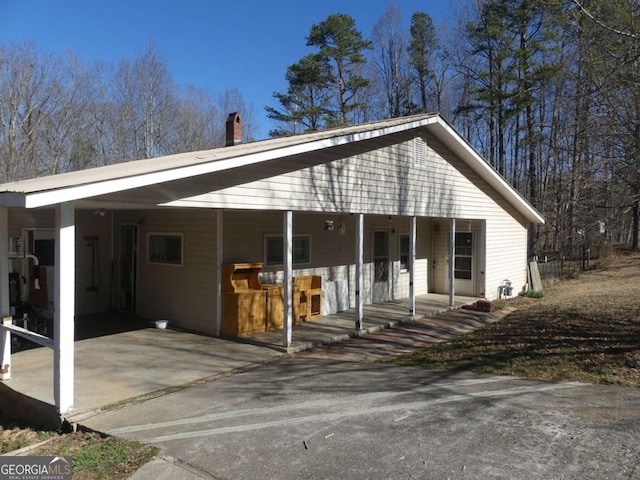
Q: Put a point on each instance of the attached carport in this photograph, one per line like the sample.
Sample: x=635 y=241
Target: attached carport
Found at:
x=193 y=180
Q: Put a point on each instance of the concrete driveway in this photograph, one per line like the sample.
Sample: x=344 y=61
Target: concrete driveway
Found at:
x=118 y=357
x=310 y=417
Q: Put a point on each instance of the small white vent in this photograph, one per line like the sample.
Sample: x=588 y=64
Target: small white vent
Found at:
x=419 y=153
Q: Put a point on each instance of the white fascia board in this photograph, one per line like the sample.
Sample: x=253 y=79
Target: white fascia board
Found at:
x=493 y=178
x=53 y=197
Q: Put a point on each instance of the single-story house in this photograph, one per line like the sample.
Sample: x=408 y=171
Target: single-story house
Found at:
x=378 y=211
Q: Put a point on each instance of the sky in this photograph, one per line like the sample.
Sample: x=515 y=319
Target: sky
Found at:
x=210 y=44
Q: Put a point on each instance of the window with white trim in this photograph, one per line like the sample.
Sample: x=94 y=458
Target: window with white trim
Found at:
x=274 y=249
x=405 y=254
x=165 y=248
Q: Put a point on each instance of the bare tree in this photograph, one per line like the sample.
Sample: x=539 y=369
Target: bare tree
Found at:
x=144 y=102
x=391 y=64
x=195 y=125
x=68 y=144
x=26 y=91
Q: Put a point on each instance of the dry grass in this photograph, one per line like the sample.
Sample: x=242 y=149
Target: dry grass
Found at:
x=95 y=456
x=14 y=437
x=583 y=329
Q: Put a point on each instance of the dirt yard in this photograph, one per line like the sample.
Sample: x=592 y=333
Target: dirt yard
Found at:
x=585 y=329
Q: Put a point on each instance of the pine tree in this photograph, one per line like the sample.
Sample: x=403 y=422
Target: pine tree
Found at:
x=305 y=106
x=423 y=44
x=341 y=45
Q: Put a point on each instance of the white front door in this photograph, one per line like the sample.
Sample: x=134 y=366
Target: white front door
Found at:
x=381 y=266
x=464 y=264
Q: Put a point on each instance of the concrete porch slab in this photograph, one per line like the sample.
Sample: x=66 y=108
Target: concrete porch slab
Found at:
x=115 y=367
x=341 y=326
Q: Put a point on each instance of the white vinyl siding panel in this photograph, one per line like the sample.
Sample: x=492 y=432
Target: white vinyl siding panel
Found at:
x=382 y=181
x=185 y=296
x=506 y=254
x=385 y=182
x=332 y=254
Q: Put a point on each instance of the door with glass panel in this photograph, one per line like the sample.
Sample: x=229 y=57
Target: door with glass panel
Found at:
x=464 y=264
x=381 y=266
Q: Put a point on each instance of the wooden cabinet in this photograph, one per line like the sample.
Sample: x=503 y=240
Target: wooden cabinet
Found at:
x=275 y=306
x=307 y=301
x=307 y=298
x=244 y=302
x=250 y=307
x=243 y=313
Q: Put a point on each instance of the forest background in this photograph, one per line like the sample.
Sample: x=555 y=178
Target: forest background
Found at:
x=547 y=90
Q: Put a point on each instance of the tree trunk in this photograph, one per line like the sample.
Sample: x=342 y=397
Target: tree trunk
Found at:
x=635 y=243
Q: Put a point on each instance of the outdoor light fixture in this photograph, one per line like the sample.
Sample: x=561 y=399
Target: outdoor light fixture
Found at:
x=328 y=225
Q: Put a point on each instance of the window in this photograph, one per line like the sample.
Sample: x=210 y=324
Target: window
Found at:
x=405 y=255
x=463 y=262
x=274 y=246
x=419 y=153
x=165 y=248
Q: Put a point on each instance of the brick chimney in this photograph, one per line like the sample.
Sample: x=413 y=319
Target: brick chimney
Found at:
x=234 y=130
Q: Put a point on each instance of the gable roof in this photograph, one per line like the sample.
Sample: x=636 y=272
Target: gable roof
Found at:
x=154 y=172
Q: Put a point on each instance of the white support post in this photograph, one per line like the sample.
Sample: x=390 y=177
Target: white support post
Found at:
x=412 y=263
x=452 y=257
x=5 y=307
x=219 y=258
x=288 y=277
x=482 y=241
x=359 y=269
x=5 y=349
x=64 y=311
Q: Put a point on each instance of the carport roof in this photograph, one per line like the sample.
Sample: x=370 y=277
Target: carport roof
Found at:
x=102 y=181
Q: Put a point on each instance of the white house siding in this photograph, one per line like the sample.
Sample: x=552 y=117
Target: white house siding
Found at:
x=400 y=279
x=503 y=250
x=332 y=254
x=184 y=295
x=385 y=181
x=501 y=253
x=506 y=254
x=501 y=239
x=381 y=181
